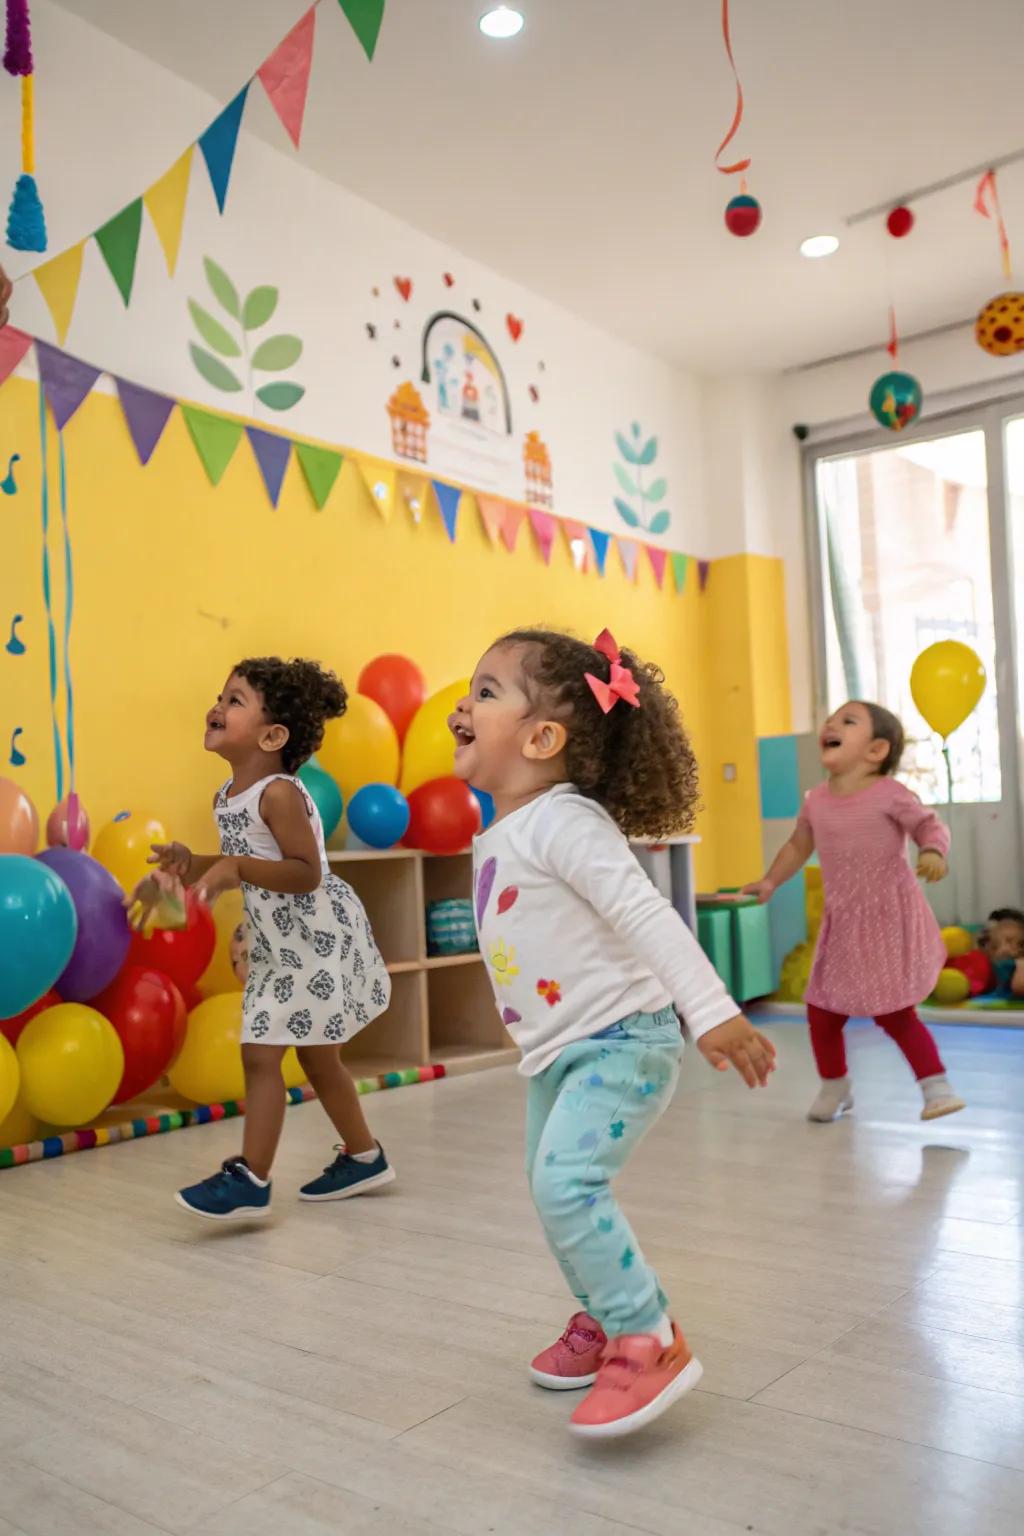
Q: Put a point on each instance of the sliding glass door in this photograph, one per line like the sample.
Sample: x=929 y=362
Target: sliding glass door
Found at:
x=916 y=539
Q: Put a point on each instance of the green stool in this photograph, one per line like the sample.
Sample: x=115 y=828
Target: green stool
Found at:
x=714 y=930
x=735 y=934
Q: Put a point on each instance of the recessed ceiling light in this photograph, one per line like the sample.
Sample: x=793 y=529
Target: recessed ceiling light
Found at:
x=819 y=245
x=502 y=22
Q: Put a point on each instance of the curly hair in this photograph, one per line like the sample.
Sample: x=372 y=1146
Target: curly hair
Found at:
x=885 y=726
x=298 y=694
x=637 y=763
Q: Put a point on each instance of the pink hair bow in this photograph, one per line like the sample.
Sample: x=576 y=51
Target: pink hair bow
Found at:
x=620 y=685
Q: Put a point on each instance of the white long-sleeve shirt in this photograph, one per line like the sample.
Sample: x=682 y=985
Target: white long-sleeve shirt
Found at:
x=575 y=936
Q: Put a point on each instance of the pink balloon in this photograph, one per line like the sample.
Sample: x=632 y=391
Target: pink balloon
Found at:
x=67 y=825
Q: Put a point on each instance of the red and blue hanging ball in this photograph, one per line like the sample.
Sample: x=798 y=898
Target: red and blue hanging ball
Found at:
x=743 y=216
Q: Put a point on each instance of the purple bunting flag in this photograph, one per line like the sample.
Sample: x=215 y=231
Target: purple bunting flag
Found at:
x=66 y=380
x=145 y=413
x=703 y=572
x=272 y=453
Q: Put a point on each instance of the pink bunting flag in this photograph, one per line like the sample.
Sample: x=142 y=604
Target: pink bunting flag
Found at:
x=285 y=75
x=13 y=346
x=511 y=524
x=492 y=515
x=658 y=558
x=629 y=554
x=543 y=524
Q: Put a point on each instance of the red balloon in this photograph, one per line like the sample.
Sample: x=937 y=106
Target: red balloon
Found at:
x=149 y=1015
x=182 y=954
x=13 y=1027
x=397 y=685
x=900 y=222
x=444 y=817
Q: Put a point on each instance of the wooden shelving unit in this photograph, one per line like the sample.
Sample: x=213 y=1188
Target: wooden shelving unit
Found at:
x=442 y=1007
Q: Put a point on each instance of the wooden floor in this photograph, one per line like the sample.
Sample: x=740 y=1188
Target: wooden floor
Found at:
x=856 y=1293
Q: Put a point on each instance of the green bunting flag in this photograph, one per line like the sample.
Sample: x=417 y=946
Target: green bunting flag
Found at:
x=118 y=240
x=679 y=564
x=365 y=17
x=215 y=437
x=320 y=467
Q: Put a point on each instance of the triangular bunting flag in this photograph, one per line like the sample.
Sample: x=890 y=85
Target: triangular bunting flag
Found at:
x=703 y=572
x=448 y=498
x=365 y=17
x=58 y=284
x=492 y=515
x=511 y=524
x=543 y=524
x=146 y=415
x=218 y=146
x=118 y=240
x=413 y=491
x=380 y=482
x=285 y=75
x=271 y=453
x=599 y=542
x=320 y=467
x=13 y=346
x=579 y=546
x=165 y=204
x=658 y=558
x=629 y=553
x=679 y=565
x=65 y=379
x=215 y=437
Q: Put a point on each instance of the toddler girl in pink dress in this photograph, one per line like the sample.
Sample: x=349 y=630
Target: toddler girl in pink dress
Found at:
x=880 y=951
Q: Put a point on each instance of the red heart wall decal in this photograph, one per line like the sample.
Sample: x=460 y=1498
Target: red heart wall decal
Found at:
x=404 y=286
x=515 y=326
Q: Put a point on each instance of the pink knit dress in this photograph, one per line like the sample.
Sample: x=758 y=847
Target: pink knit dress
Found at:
x=879 y=949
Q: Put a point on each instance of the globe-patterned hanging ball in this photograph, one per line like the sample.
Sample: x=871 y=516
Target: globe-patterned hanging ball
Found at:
x=999 y=328
x=743 y=216
x=895 y=400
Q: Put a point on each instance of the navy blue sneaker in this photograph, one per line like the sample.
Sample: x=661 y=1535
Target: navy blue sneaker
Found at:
x=231 y=1195
x=346 y=1176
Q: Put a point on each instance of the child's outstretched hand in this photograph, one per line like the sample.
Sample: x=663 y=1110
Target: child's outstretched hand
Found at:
x=172 y=858
x=931 y=866
x=220 y=877
x=764 y=890
x=738 y=1043
x=158 y=896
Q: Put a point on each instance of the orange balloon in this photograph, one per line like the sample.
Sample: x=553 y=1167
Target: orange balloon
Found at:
x=19 y=824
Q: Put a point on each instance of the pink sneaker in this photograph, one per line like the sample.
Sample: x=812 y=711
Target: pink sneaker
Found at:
x=637 y=1380
x=573 y=1361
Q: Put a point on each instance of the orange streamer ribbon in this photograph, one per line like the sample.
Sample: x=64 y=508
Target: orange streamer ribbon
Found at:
x=893 y=348
x=740 y=165
x=985 y=192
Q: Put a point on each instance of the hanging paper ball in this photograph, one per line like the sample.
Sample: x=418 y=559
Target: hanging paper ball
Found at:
x=999 y=328
x=895 y=400
x=26 y=224
x=900 y=222
x=743 y=216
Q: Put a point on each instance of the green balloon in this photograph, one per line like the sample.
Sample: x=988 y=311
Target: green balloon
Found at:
x=324 y=793
x=895 y=400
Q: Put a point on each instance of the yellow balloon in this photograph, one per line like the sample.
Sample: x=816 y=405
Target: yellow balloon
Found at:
x=957 y=941
x=209 y=1067
x=951 y=987
x=71 y=1064
x=10 y=1079
x=123 y=847
x=19 y=1127
x=219 y=976
x=291 y=1071
x=429 y=751
x=360 y=748
x=947 y=680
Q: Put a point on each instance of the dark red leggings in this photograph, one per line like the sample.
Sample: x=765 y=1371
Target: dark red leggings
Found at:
x=913 y=1037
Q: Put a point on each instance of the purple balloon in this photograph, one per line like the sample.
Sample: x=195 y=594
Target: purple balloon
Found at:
x=103 y=932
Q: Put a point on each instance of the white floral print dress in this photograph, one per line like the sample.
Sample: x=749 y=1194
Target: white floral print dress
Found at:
x=315 y=973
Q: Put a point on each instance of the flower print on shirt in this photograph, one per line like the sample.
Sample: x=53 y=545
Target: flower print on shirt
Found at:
x=551 y=992
x=503 y=963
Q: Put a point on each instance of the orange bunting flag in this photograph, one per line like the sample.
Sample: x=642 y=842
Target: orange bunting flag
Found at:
x=285 y=75
x=492 y=515
x=511 y=524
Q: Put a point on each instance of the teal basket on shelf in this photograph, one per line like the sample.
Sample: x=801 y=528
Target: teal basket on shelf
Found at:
x=450 y=928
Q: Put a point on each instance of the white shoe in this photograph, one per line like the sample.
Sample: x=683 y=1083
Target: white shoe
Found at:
x=939 y=1098
x=834 y=1099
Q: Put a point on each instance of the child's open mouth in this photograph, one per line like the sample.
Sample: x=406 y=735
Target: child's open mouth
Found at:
x=463 y=736
x=828 y=743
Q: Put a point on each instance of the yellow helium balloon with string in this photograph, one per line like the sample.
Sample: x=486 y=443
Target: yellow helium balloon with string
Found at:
x=947 y=680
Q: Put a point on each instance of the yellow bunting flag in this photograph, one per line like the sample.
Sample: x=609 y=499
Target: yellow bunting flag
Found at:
x=413 y=491
x=165 y=203
x=380 y=483
x=58 y=284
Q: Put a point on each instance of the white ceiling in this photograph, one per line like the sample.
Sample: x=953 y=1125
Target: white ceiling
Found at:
x=578 y=158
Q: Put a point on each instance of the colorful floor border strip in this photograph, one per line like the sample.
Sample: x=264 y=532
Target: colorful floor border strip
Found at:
x=180 y=1119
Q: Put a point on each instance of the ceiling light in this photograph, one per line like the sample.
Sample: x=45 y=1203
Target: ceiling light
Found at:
x=502 y=22
x=819 y=245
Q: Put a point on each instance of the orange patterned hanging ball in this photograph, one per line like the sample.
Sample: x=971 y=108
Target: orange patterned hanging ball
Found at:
x=999 y=328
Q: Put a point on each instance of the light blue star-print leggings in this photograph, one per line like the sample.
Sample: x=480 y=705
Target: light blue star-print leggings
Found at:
x=585 y=1115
